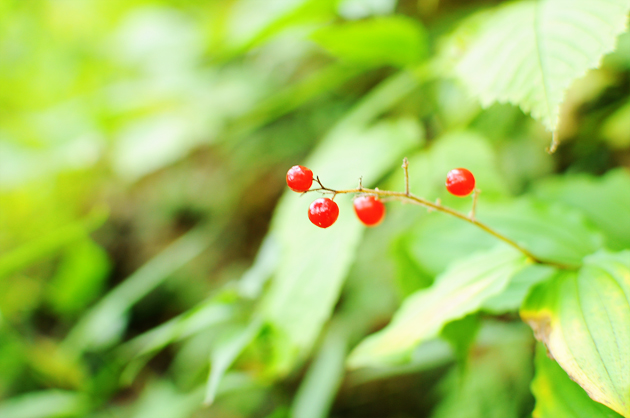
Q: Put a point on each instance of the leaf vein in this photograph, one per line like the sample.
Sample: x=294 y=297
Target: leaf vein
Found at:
x=579 y=301
x=541 y=59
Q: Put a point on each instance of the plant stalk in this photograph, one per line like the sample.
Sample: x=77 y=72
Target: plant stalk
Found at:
x=406 y=196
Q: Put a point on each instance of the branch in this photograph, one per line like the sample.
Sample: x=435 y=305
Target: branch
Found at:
x=408 y=197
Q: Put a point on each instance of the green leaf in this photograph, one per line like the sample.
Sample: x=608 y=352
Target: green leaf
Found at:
x=253 y=24
x=495 y=383
x=428 y=168
x=529 y=52
x=461 y=290
x=393 y=40
x=511 y=299
x=620 y=59
x=584 y=320
x=427 y=356
x=226 y=352
x=251 y=283
x=557 y=396
x=616 y=129
x=550 y=231
x=50 y=243
x=314 y=262
x=319 y=387
x=460 y=334
x=79 y=278
x=437 y=240
x=137 y=352
x=160 y=398
x=409 y=276
x=45 y=404
x=602 y=200
x=105 y=322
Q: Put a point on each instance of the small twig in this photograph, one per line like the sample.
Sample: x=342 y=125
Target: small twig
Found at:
x=405 y=166
x=393 y=198
x=438 y=202
x=475 y=196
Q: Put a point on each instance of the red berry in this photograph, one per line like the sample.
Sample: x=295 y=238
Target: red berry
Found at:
x=323 y=212
x=460 y=182
x=369 y=209
x=299 y=178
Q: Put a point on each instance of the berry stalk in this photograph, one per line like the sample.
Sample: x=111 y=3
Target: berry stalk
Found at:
x=411 y=198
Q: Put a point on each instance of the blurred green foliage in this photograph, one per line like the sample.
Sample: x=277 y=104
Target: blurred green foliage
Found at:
x=152 y=263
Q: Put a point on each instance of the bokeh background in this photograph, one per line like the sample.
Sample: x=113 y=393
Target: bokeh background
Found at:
x=143 y=149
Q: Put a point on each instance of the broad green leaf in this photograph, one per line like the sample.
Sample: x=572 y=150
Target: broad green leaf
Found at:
x=529 y=52
x=253 y=23
x=13 y=354
x=428 y=168
x=50 y=243
x=295 y=95
x=616 y=129
x=620 y=59
x=557 y=396
x=460 y=334
x=584 y=320
x=213 y=312
x=314 y=262
x=137 y=352
x=160 y=398
x=495 y=382
x=429 y=355
x=460 y=290
x=409 y=276
x=104 y=323
x=602 y=200
x=512 y=297
x=22 y=295
x=226 y=352
x=359 y=9
x=551 y=232
x=251 y=283
x=56 y=366
x=393 y=40
x=45 y=404
x=437 y=240
x=79 y=278
x=320 y=384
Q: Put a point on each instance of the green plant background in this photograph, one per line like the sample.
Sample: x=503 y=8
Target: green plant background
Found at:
x=153 y=263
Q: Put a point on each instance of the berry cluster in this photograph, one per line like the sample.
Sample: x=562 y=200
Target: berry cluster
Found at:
x=370 y=210
x=323 y=212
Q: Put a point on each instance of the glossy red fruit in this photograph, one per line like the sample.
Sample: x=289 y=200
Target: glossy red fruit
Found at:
x=323 y=212
x=369 y=209
x=299 y=178
x=460 y=182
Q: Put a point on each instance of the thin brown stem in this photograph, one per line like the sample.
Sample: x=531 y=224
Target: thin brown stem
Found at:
x=475 y=196
x=408 y=197
x=405 y=166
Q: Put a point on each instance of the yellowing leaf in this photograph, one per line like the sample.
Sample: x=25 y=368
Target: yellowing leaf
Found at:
x=557 y=396
x=584 y=320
